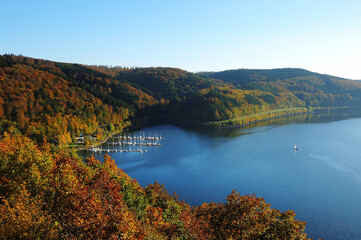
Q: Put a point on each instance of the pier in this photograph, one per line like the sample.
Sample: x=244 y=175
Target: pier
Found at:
x=121 y=144
x=116 y=150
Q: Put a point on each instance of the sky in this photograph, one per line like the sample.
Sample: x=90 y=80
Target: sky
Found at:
x=194 y=35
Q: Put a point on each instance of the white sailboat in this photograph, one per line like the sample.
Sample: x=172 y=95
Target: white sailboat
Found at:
x=296 y=148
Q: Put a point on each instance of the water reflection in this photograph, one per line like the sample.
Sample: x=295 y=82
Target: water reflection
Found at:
x=176 y=138
x=320 y=117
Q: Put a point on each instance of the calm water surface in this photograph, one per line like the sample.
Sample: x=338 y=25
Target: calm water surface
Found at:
x=321 y=181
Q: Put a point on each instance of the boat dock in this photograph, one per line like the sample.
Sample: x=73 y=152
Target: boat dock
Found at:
x=116 y=150
x=122 y=143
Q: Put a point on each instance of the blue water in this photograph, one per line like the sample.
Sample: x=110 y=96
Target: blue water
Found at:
x=321 y=181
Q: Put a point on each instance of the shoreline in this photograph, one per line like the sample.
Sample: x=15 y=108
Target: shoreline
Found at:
x=287 y=113
x=97 y=143
x=228 y=123
x=231 y=123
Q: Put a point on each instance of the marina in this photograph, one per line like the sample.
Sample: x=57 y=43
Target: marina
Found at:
x=122 y=144
x=116 y=150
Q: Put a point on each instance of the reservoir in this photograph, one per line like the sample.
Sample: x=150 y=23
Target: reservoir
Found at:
x=321 y=181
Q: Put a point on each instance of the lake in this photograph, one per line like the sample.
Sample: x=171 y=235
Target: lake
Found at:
x=321 y=181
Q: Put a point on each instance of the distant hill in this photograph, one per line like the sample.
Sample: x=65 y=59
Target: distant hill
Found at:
x=61 y=101
x=314 y=89
x=241 y=77
x=244 y=76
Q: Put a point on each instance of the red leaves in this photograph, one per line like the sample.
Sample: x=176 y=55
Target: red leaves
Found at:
x=92 y=203
x=154 y=217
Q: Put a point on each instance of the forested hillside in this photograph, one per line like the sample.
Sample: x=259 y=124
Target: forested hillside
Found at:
x=58 y=102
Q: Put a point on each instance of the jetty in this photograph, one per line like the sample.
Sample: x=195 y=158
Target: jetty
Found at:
x=116 y=150
x=122 y=144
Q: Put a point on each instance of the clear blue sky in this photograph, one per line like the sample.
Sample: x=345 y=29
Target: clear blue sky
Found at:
x=198 y=35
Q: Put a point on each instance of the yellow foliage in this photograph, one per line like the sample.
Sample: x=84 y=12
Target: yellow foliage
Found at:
x=21 y=217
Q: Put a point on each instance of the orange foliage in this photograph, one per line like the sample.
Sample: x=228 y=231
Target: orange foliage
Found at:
x=249 y=217
x=22 y=217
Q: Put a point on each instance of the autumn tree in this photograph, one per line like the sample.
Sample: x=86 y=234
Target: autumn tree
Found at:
x=249 y=217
